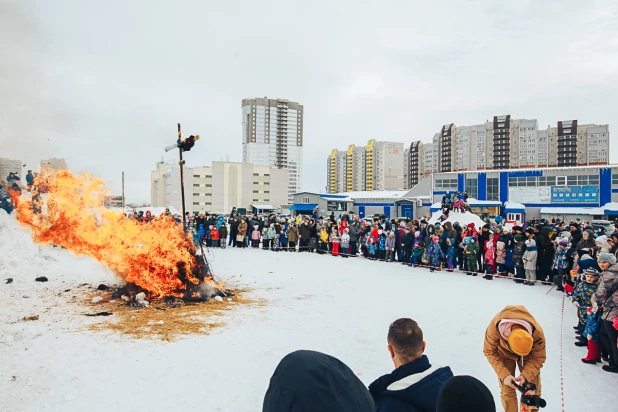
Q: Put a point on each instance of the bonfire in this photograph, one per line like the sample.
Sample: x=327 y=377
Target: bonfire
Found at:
x=157 y=259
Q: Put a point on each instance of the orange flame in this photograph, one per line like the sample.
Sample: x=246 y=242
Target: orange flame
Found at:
x=146 y=254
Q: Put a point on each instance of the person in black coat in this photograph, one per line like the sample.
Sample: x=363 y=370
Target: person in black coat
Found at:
x=414 y=385
x=407 y=242
x=233 y=223
x=308 y=381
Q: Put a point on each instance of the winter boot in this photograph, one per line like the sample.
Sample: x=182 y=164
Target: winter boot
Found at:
x=610 y=368
x=594 y=353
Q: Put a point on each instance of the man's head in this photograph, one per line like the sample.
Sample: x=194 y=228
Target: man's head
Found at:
x=520 y=341
x=405 y=341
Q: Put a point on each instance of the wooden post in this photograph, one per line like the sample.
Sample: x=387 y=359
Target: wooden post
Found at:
x=182 y=179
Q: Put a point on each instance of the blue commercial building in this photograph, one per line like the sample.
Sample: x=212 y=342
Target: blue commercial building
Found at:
x=588 y=191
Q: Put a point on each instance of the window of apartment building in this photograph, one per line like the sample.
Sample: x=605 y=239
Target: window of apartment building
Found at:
x=208 y=185
x=256 y=191
x=196 y=203
x=305 y=200
x=446 y=184
x=493 y=188
x=256 y=174
x=197 y=176
x=196 y=185
x=472 y=187
x=615 y=179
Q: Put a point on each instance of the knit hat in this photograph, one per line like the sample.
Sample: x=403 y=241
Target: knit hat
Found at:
x=417 y=233
x=471 y=225
x=591 y=272
x=506 y=230
x=435 y=238
x=379 y=231
x=518 y=228
x=518 y=238
x=489 y=244
x=520 y=341
x=530 y=231
x=465 y=394
x=563 y=242
x=607 y=257
x=601 y=239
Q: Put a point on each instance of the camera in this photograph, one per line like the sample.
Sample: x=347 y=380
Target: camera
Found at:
x=530 y=400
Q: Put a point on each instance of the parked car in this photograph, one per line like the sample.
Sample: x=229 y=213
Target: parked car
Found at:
x=605 y=224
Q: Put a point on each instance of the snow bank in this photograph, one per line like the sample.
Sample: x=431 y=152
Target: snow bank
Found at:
x=464 y=219
x=22 y=260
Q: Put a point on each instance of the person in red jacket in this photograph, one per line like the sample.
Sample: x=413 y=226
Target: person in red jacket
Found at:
x=214 y=236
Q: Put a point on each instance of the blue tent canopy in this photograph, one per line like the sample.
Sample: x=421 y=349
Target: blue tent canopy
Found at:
x=303 y=207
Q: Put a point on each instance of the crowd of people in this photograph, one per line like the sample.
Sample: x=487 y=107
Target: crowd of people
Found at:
x=313 y=381
x=576 y=258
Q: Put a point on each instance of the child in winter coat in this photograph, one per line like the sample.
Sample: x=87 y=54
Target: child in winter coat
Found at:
x=450 y=254
x=345 y=243
x=390 y=247
x=270 y=235
x=582 y=298
x=501 y=258
x=255 y=237
x=201 y=233
x=561 y=262
x=489 y=258
x=214 y=237
x=471 y=250
x=381 y=245
x=372 y=247
x=276 y=246
x=265 y=243
x=518 y=262
x=435 y=254
x=592 y=333
x=196 y=237
x=530 y=256
x=223 y=235
x=283 y=241
x=323 y=241
x=336 y=241
x=417 y=254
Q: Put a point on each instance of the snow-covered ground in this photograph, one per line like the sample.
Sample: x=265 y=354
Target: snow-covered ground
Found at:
x=339 y=306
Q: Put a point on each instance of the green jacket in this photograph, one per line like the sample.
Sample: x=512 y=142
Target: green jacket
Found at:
x=473 y=249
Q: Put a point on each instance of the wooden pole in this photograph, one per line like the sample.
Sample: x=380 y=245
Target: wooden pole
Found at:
x=182 y=179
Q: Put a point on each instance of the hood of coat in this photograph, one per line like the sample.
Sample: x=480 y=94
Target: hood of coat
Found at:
x=415 y=383
x=306 y=381
x=516 y=312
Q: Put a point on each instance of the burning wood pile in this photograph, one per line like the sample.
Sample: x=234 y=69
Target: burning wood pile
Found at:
x=156 y=260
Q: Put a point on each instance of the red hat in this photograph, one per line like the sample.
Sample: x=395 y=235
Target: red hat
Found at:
x=471 y=224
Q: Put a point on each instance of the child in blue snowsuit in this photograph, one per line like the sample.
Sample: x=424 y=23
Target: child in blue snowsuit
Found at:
x=450 y=254
x=200 y=234
x=382 y=246
x=435 y=254
x=283 y=241
x=371 y=248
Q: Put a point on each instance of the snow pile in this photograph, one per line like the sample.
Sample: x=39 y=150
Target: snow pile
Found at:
x=22 y=261
x=464 y=219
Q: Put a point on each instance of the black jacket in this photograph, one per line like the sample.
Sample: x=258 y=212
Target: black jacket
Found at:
x=307 y=381
x=412 y=387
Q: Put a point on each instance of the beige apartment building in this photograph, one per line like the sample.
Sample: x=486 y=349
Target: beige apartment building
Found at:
x=505 y=143
x=9 y=165
x=376 y=166
x=53 y=163
x=220 y=187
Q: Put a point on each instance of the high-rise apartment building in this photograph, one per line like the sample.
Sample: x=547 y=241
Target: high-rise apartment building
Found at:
x=220 y=187
x=507 y=143
x=355 y=168
x=272 y=136
x=376 y=166
x=336 y=171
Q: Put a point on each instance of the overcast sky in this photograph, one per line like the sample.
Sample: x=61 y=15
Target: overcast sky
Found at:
x=103 y=83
